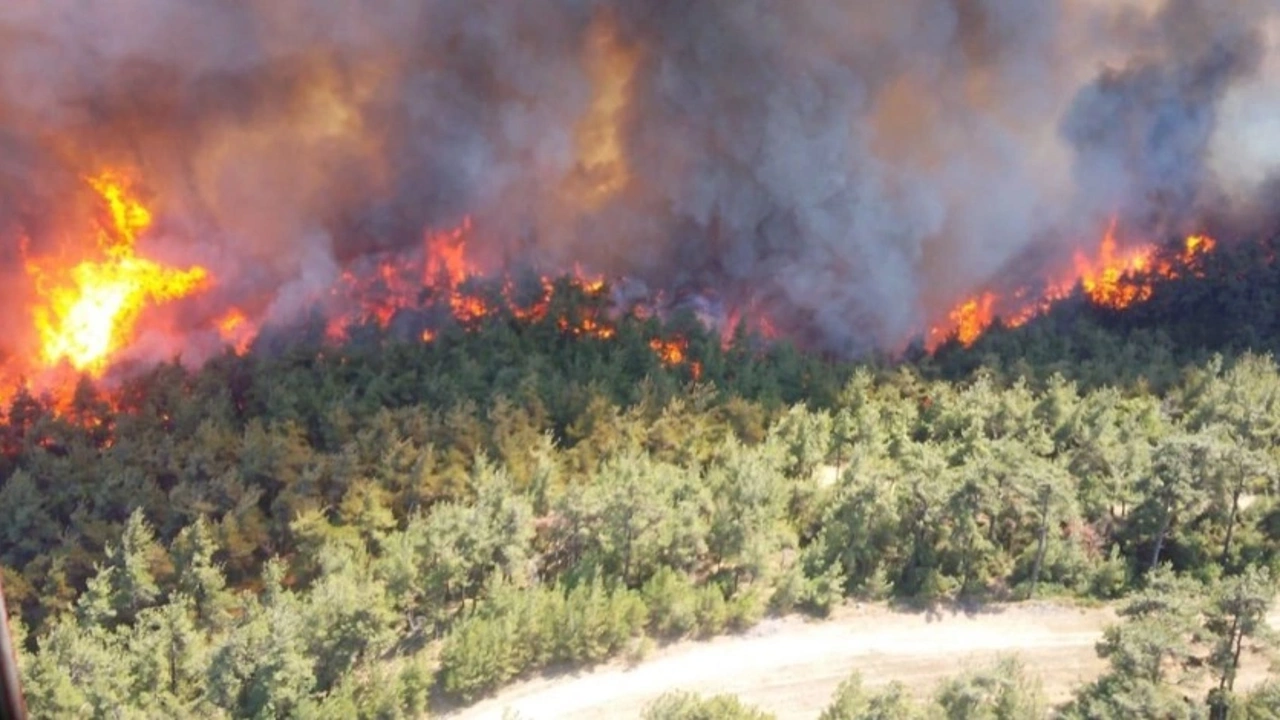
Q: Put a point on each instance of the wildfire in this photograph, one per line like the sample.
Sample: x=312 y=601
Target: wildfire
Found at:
x=674 y=353
x=587 y=327
x=1114 y=279
x=670 y=352
x=469 y=310
x=973 y=316
x=601 y=171
x=447 y=256
x=87 y=312
x=535 y=311
x=751 y=318
x=446 y=276
x=235 y=330
x=593 y=286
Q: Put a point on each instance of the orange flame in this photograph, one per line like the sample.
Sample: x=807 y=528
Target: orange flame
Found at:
x=447 y=256
x=1114 y=279
x=235 y=330
x=675 y=353
x=446 y=267
x=591 y=286
x=670 y=352
x=535 y=311
x=972 y=316
x=88 y=311
x=588 y=326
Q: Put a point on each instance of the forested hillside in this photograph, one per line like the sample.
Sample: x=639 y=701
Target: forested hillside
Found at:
x=363 y=530
x=1231 y=306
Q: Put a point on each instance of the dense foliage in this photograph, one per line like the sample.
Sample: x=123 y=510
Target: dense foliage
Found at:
x=357 y=531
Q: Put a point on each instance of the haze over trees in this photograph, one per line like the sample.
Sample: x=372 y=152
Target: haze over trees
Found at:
x=366 y=530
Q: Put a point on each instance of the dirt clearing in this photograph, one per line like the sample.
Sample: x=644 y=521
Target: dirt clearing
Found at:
x=792 y=666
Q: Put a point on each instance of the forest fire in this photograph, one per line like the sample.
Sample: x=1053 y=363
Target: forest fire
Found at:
x=675 y=352
x=235 y=330
x=426 y=172
x=87 y=311
x=87 y=300
x=445 y=276
x=1114 y=279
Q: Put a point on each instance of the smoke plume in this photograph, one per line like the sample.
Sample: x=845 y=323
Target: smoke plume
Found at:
x=852 y=165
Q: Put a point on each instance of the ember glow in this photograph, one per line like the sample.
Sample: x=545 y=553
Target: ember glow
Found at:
x=446 y=276
x=86 y=310
x=1114 y=279
x=235 y=330
x=674 y=353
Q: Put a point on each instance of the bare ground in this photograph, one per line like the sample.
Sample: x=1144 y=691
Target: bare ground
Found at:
x=791 y=666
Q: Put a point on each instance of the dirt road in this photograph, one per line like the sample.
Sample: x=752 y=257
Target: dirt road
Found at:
x=792 y=666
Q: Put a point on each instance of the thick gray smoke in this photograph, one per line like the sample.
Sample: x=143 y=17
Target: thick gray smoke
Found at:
x=1142 y=131
x=854 y=165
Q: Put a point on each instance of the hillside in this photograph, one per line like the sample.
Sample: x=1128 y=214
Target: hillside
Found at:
x=370 y=528
x=1229 y=306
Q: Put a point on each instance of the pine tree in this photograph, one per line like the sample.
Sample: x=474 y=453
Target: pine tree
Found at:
x=200 y=577
x=1237 y=617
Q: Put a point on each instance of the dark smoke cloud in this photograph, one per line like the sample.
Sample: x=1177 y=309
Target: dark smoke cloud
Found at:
x=855 y=165
x=1142 y=131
